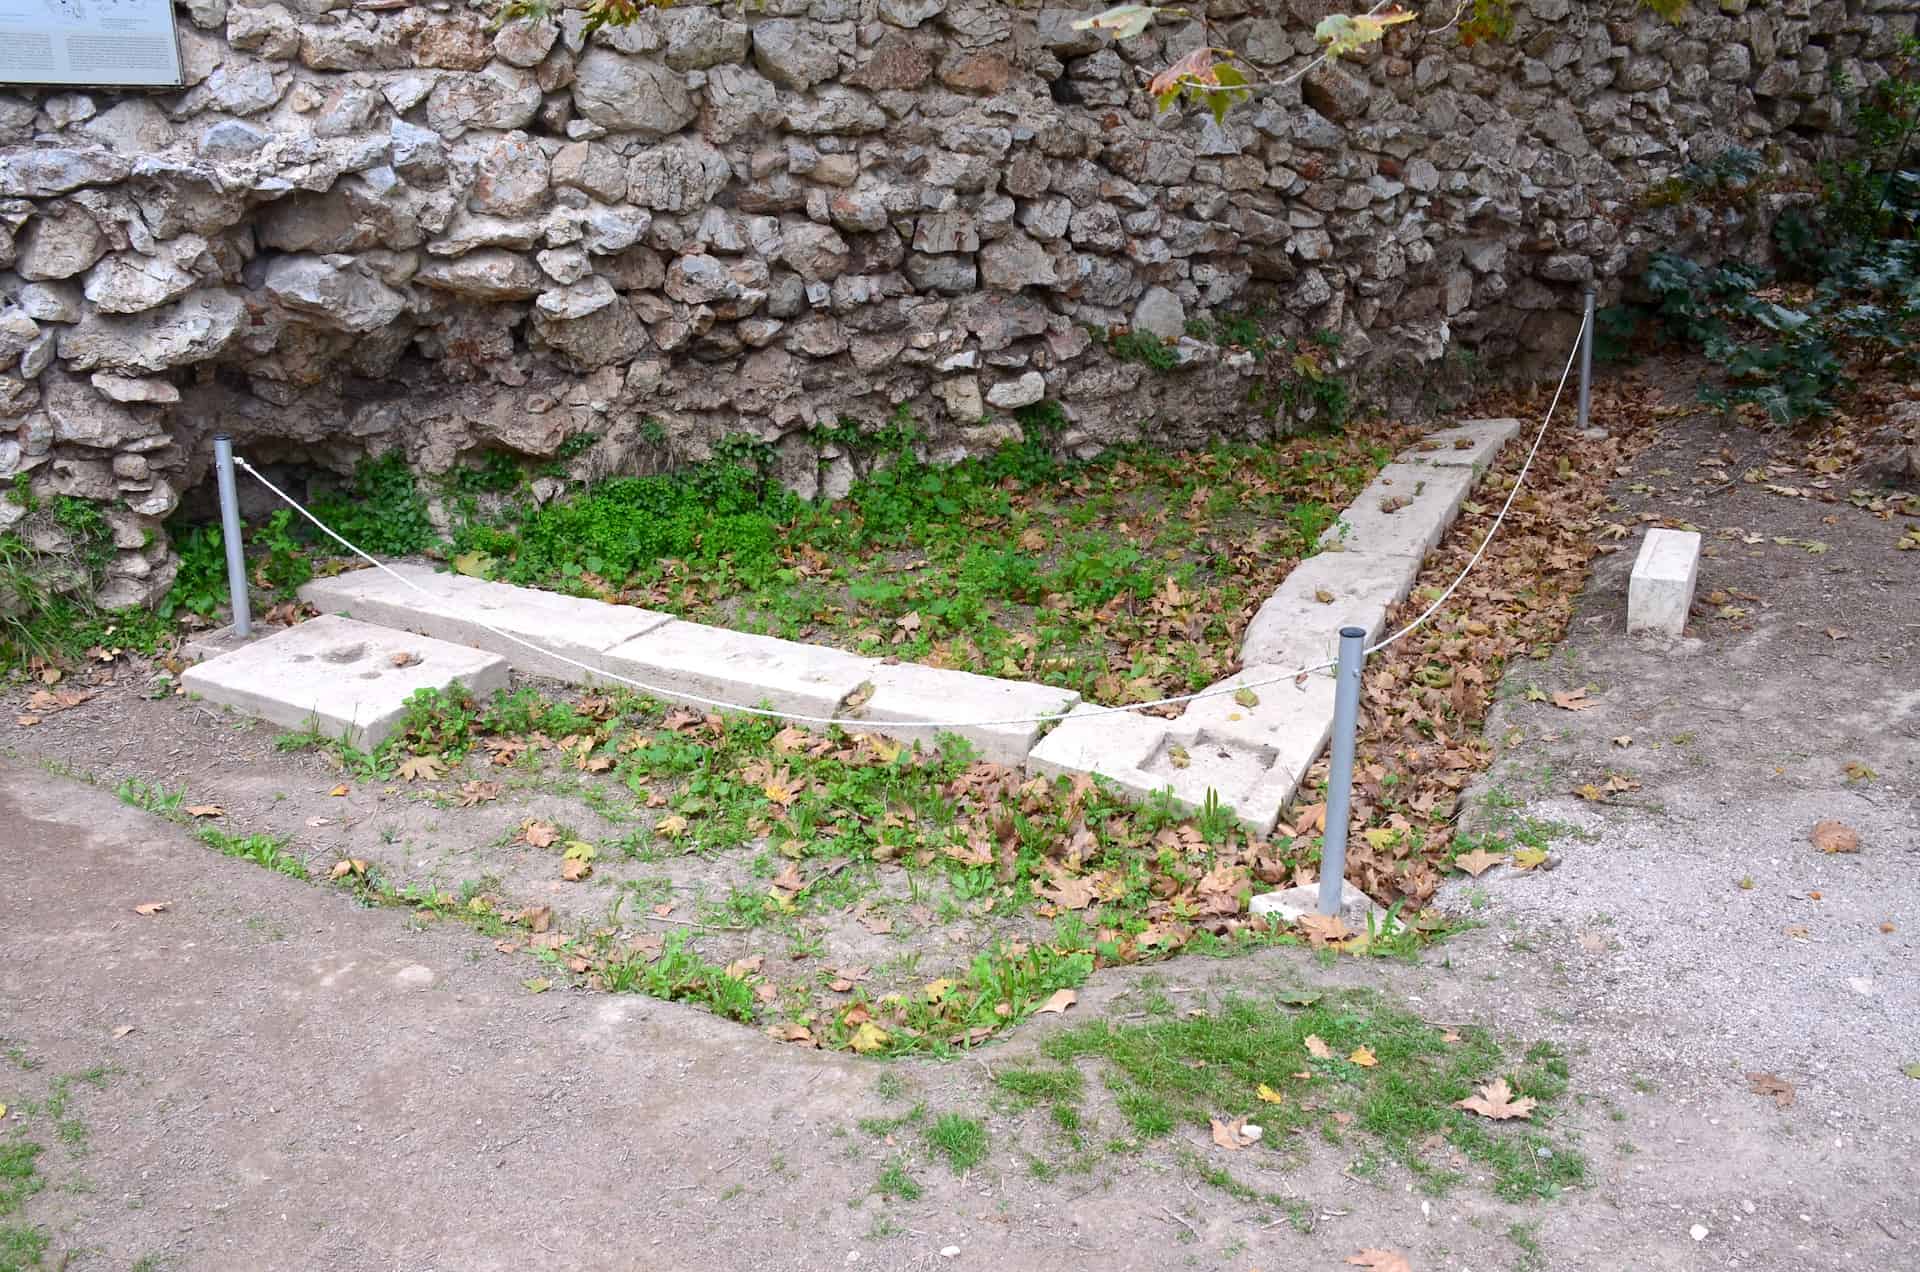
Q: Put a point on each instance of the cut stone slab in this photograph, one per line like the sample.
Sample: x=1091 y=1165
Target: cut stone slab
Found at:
x=460 y=609
x=1433 y=497
x=1290 y=905
x=684 y=660
x=1145 y=755
x=908 y=691
x=1468 y=444
x=1296 y=628
x=341 y=677
x=1660 y=590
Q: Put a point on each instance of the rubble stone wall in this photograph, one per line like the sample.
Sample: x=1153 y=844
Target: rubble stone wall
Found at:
x=363 y=226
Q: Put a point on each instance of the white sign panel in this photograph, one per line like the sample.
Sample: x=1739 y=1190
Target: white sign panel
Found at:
x=94 y=42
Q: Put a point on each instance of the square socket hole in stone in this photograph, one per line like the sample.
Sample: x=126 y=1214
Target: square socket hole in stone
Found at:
x=1227 y=765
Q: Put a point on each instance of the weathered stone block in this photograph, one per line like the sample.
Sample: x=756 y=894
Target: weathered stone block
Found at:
x=345 y=679
x=1660 y=589
x=461 y=609
x=681 y=659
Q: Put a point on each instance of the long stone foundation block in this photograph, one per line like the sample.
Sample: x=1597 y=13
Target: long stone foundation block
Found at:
x=1299 y=625
x=908 y=691
x=688 y=660
x=1468 y=444
x=349 y=680
x=461 y=609
x=1660 y=590
x=1403 y=511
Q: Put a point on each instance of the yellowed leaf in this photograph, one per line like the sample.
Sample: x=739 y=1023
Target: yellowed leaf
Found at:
x=1269 y=1095
x=1363 y=1057
x=1478 y=862
x=1317 y=1047
x=868 y=1038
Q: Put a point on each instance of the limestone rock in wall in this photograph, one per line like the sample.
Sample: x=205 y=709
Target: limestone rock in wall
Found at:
x=630 y=94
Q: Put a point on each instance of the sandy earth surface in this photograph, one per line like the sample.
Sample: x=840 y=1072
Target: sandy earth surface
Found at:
x=311 y=1084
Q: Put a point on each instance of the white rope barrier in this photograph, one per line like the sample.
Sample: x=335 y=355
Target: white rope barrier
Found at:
x=1084 y=711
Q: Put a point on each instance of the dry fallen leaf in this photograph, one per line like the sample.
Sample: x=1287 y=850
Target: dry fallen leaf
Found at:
x=1380 y=1260
x=1317 y=1047
x=1478 y=862
x=1835 y=836
x=1269 y=1095
x=122 y=1031
x=347 y=866
x=151 y=907
x=205 y=810
x=1768 y=1084
x=1324 y=929
x=405 y=659
x=1495 y=1100
x=1573 y=700
x=1363 y=1057
x=1058 y=1003
x=340 y=790
x=423 y=768
x=1235 y=1135
x=540 y=834
x=573 y=870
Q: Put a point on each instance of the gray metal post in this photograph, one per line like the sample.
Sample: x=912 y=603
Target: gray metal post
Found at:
x=1346 y=716
x=230 y=534
x=1586 y=357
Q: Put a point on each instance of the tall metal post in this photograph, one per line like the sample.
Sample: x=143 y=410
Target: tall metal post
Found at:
x=1586 y=356
x=230 y=534
x=1346 y=715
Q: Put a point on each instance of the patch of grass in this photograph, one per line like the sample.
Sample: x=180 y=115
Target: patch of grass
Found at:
x=1125 y=575
x=1187 y=1071
x=21 y=1247
x=894 y=1181
x=1041 y=1086
x=961 y=1140
x=266 y=851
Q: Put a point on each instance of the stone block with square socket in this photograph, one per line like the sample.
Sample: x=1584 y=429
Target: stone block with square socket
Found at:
x=345 y=679
x=1660 y=590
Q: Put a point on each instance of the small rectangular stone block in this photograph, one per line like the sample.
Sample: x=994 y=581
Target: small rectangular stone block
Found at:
x=1468 y=444
x=458 y=608
x=1660 y=590
x=682 y=659
x=909 y=691
x=341 y=677
x=1433 y=496
x=1296 y=628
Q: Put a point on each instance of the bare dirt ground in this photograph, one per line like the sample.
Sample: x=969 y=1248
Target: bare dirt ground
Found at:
x=311 y=1084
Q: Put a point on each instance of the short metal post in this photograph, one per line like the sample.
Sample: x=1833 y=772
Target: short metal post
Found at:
x=1346 y=716
x=230 y=534
x=1586 y=357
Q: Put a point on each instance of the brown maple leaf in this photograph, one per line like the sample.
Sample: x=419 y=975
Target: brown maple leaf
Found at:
x=1495 y=1100
x=423 y=768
